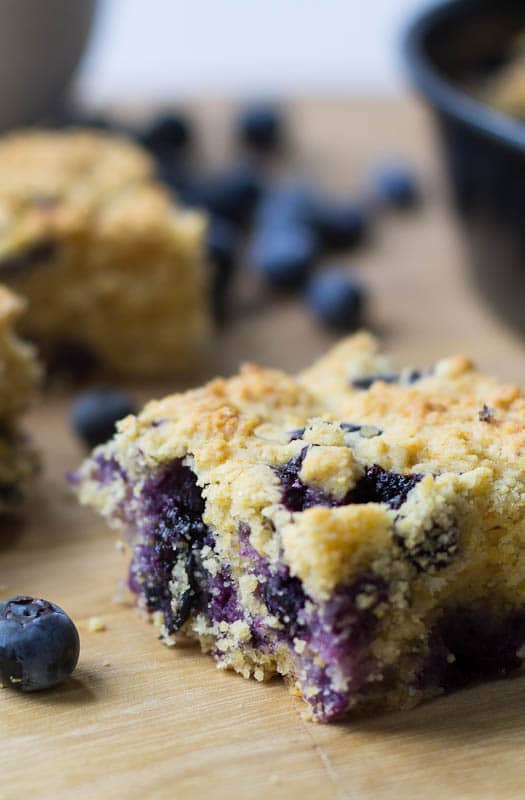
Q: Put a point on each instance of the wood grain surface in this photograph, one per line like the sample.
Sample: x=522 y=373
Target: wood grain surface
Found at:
x=139 y=720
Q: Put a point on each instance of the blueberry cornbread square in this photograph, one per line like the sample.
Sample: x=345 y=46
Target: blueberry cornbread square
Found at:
x=112 y=269
x=19 y=375
x=357 y=529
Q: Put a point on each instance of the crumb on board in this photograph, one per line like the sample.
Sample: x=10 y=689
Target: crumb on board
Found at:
x=121 y=593
x=96 y=625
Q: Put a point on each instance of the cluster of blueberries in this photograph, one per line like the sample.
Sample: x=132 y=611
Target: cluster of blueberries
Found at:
x=288 y=227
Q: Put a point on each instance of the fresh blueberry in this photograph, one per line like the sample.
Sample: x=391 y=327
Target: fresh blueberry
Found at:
x=284 y=254
x=231 y=193
x=39 y=644
x=260 y=127
x=222 y=245
x=396 y=185
x=337 y=299
x=174 y=173
x=340 y=224
x=167 y=134
x=95 y=413
x=285 y=204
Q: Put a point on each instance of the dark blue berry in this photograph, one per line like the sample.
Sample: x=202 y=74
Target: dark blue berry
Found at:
x=39 y=644
x=260 y=127
x=285 y=205
x=173 y=172
x=396 y=185
x=222 y=244
x=367 y=381
x=284 y=254
x=379 y=485
x=167 y=134
x=340 y=224
x=337 y=299
x=231 y=193
x=95 y=413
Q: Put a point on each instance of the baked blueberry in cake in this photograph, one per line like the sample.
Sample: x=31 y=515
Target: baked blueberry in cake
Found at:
x=363 y=540
x=112 y=269
x=19 y=375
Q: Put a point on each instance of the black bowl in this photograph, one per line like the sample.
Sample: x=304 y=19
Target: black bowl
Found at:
x=448 y=47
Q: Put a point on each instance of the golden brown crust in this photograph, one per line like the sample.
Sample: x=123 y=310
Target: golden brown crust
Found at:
x=238 y=430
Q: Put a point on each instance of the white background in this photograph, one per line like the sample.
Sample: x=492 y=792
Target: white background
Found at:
x=164 y=49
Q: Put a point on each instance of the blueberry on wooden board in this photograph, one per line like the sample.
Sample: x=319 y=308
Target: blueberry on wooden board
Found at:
x=231 y=193
x=396 y=185
x=174 y=173
x=284 y=254
x=284 y=204
x=95 y=412
x=339 y=223
x=167 y=133
x=337 y=299
x=261 y=127
x=39 y=644
x=222 y=242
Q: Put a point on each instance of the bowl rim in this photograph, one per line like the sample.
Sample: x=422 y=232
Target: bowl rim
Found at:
x=441 y=92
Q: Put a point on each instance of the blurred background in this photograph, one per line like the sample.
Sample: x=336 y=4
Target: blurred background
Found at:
x=343 y=120
x=167 y=48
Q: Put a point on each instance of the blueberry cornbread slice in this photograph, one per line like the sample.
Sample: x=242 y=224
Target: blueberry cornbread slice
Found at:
x=19 y=374
x=112 y=269
x=357 y=530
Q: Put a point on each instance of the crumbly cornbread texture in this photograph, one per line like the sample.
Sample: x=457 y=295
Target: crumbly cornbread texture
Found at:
x=112 y=269
x=19 y=374
x=357 y=529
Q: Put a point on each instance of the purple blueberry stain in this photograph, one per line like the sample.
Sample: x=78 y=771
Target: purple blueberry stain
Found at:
x=285 y=598
x=173 y=505
x=434 y=550
x=174 y=536
x=296 y=495
x=367 y=381
x=405 y=378
x=222 y=601
x=337 y=636
x=349 y=427
x=471 y=645
x=377 y=485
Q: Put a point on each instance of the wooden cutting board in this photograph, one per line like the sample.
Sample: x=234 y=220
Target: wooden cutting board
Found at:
x=139 y=720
